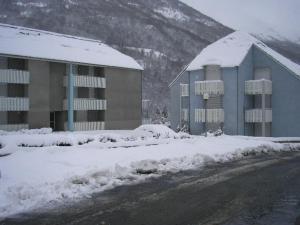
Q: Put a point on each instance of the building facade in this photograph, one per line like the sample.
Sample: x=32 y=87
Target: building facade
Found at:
x=241 y=86
x=66 y=83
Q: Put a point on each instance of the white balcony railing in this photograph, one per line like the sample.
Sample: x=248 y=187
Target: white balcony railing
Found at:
x=258 y=115
x=185 y=115
x=184 y=90
x=9 y=76
x=82 y=104
x=213 y=115
x=13 y=127
x=87 y=126
x=258 y=87
x=87 y=81
x=215 y=87
x=14 y=104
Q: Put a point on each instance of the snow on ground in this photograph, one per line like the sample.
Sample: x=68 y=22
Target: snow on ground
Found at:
x=45 y=169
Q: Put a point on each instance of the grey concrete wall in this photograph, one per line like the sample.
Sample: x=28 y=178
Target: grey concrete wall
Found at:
x=39 y=94
x=57 y=90
x=285 y=98
x=124 y=98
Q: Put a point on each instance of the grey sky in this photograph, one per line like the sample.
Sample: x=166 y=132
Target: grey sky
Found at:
x=275 y=18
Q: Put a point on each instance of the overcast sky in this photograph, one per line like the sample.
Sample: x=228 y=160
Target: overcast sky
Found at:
x=262 y=17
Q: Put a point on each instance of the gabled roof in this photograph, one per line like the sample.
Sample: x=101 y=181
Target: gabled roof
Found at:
x=231 y=50
x=26 y=42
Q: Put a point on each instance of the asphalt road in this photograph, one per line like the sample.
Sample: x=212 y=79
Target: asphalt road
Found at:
x=258 y=190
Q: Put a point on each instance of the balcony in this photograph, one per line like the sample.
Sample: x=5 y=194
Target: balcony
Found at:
x=13 y=127
x=8 y=104
x=213 y=115
x=87 y=126
x=82 y=104
x=258 y=87
x=184 y=90
x=87 y=81
x=14 y=76
x=258 y=116
x=211 y=87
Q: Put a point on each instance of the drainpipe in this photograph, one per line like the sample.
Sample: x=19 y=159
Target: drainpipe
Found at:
x=237 y=103
x=70 y=99
x=180 y=105
x=190 y=102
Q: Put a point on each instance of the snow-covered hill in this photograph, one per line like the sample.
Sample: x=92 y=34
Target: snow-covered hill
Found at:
x=267 y=19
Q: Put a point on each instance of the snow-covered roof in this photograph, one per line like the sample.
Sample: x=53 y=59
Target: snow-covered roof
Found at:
x=26 y=42
x=231 y=50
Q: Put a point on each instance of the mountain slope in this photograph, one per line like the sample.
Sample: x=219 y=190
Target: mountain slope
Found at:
x=163 y=35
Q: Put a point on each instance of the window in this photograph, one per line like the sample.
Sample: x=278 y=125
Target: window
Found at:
x=99 y=72
x=83 y=70
x=16 y=64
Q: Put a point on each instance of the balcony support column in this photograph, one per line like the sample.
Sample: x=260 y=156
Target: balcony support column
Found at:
x=70 y=98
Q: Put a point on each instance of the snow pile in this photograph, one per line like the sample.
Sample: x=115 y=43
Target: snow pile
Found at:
x=34 y=177
x=157 y=131
x=26 y=131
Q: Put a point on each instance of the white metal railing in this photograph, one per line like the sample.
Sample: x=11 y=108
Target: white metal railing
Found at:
x=257 y=116
x=82 y=104
x=215 y=87
x=184 y=90
x=185 y=115
x=257 y=87
x=87 y=126
x=213 y=115
x=10 y=76
x=87 y=81
x=13 y=127
x=8 y=104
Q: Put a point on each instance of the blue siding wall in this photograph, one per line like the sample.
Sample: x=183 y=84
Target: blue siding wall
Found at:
x=196 y=102
x=175 y=100
x=245 y=72
x=285 y=98
x=230 y=100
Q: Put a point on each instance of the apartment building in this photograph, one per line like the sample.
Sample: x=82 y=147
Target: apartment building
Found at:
x=240 y=85
x=65 y=82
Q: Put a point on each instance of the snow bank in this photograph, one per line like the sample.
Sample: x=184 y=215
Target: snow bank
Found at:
x=157 y=131
x=26 y=131
x=34 y=177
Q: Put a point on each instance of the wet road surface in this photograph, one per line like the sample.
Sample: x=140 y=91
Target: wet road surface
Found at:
x=258 y=190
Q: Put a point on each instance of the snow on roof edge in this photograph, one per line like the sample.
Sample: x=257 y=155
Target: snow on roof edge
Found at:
x=132 y=63
x=252 y=42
